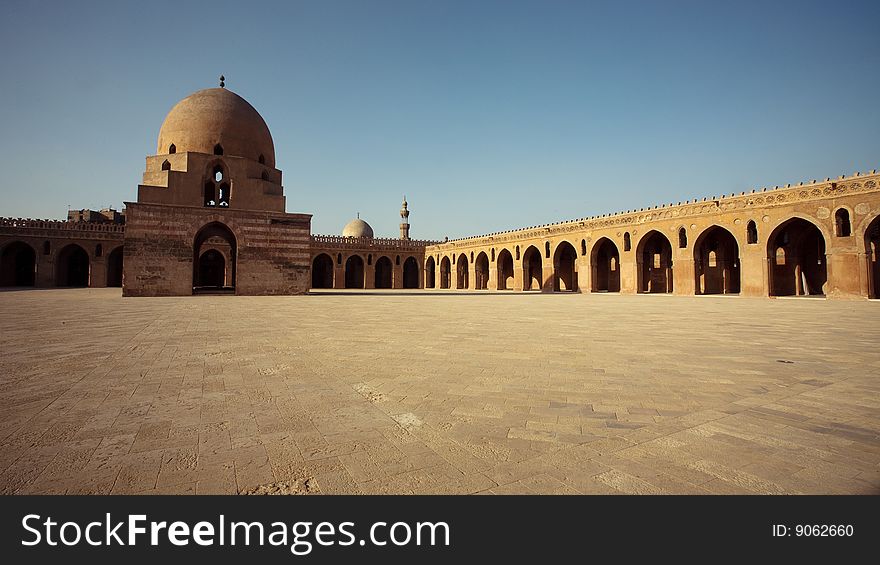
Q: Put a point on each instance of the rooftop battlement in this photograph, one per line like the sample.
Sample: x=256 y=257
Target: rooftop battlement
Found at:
x=767 y=196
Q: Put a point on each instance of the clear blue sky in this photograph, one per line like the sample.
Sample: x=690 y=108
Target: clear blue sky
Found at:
x=487 y=115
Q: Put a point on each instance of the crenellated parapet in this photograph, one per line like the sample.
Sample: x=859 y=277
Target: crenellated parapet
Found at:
x=744 y=201
x=342 y=242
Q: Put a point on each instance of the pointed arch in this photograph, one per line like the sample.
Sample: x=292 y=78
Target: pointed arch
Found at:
x=605 y=266
x=322 y=271
x=481 y=272
x=842 y=224
x=383 y=273
x=504 y=269
x=214 y=270
x=751 y=233
x=872 y=253
x=565 y=276
x=72 y=267
x=114 y=267
x=411 y=273
x=533 y=269
x=654 y=259
x=430 y=276
x=445 y=272
x=804 y=270
x=18 y=264
x=354 y=272
x=716 y=262
x=462 y=275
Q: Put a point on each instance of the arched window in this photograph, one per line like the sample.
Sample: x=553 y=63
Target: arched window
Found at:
x=99 y=250
x=262 y=159
x=370 y=259
x=339 y=258
x=47 y=248
x=517 y=252
x=493 y=254
x=397 y=261
x=780 y=256
x=682 y=238
x=627 y=244
x=209 y=194
x=264 y=175
x=842 y=227
x=172 y=149
x=583 y=247
x=472 y=256
x=218 y=149
x=166 y=165
x=547 y=249
x=218 y=173
x=751 y=233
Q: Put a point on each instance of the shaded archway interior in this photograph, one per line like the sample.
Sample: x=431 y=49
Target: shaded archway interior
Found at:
x=654 y=257
x=18 y=265
x=72 y=267
x=872 y=253
x=564 y=268
x=605 y=261
x=354 y=272
x=214 y=259
x=796 y=258
x=716 y=262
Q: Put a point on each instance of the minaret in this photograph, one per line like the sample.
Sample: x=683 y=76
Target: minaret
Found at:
x=404 y=220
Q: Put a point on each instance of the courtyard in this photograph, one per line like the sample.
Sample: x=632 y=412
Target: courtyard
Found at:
x=437 y=392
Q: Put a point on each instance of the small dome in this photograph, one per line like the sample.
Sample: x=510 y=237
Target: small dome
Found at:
x=357 y=228
x=217 y=116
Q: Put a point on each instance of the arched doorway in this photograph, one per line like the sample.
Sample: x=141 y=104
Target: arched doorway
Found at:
x=354 y=272
x=114 y=268
x=410 y=273
x=384 y=273
x=72 y=268
x=445 y=272
x=872 y=252
x=605 y=266
x=533 y=270
x=18 y=265
x=564 y=268
x=322 y=271
x=654 y=256
x=429 y=273
x=716 y=262
x=505 y=270
x=796 y=259
x=461 y=270
x=214 y=259
x=481 y=271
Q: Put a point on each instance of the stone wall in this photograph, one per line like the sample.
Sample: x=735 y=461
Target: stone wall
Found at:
x=849 y=261
x=47 y=239
x=272 y=249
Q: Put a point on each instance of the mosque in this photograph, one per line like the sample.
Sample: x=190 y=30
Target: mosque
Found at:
x=210 y=217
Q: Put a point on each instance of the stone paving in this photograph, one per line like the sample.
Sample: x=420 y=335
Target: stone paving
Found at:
x=437 y=392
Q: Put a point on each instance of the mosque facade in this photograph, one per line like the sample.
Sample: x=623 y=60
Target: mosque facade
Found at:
x=210 y=217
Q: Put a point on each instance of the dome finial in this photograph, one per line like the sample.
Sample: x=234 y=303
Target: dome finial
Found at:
x=222 y=81
x=359 y=215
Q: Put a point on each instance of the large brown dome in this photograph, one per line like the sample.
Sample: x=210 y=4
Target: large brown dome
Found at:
x=217 y=116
